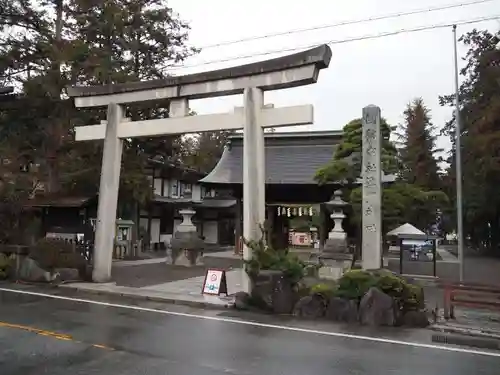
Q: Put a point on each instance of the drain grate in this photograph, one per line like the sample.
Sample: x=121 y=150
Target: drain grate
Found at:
x=462 y=340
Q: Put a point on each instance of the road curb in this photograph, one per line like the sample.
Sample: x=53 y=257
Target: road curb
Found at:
x=464 y=340
x=167 y=300
x=162 y=299
x=465 y=331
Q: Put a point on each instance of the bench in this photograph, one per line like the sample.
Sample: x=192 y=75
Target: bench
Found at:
x=470 y=295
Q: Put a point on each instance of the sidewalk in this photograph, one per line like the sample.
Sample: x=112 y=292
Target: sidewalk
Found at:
x=185 y=291
x=475 y=328
x=446 y=256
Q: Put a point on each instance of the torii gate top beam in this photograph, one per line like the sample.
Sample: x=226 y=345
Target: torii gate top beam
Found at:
x=283 y=72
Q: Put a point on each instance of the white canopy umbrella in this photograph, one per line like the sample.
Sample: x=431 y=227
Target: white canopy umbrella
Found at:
x=406 y=229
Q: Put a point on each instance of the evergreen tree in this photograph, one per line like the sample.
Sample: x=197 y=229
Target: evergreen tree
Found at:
x=346 y=162
x=401 y=201
x=419 y=165
x=84 y=42
x=204 y=150
x=480 y=139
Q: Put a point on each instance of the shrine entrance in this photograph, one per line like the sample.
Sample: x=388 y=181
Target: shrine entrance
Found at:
x=251 y=80
x=293 y=225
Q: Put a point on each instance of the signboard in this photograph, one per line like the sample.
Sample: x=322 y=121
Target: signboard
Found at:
x=215 y=282
x=417 y=256
x=417 y=250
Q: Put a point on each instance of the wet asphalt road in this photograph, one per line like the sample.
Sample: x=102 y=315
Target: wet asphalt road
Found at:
x=49 y=336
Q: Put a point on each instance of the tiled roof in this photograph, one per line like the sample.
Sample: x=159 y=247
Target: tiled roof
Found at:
x=58 y=201
x=291 y=158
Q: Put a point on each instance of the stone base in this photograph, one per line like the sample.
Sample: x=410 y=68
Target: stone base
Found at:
x=183 y=259
x=334 y=269
x=336 y=245
x=183 y=244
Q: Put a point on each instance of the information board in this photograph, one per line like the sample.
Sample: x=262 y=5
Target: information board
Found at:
x=417 y=250
x=418 y=256
x=215 y=282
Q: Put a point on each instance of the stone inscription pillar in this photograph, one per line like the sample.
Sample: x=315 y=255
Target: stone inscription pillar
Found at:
x=372 y=189
x=108 y=196
x=253 y=172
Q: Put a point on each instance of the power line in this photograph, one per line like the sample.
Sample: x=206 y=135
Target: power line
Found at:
x=340 y=41
x=350 y=22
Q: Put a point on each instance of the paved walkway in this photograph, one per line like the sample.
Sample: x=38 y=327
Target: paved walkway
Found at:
x=193 y=285
x=129 y=263
x=446 y=256
x=184 y=291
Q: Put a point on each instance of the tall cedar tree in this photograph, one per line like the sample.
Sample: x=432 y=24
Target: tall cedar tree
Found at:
x=130 y=40
x=55 y=43
x=419 y=165
x=480 y=139
x=203 y=151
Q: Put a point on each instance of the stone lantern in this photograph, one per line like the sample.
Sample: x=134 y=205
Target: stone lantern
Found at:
x=187 y=220
x=337 y=238
x=186 y=247
x=335 y=257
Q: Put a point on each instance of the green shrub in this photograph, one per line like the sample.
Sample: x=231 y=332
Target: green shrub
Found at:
x=355 y=283
x=267 y=258
x=324 y=289
x=5 y=265
x=412 y=298
x=389 y=283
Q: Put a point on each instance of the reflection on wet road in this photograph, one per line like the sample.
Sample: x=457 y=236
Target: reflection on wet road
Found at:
x=41 y=335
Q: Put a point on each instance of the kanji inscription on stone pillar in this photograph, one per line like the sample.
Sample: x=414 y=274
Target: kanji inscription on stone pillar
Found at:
x=372 y=189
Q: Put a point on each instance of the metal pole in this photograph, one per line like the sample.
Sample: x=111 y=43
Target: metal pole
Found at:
x=458 y=163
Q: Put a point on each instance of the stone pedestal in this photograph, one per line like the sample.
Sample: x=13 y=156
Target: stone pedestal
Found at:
x=334 y=266
x=186 y=247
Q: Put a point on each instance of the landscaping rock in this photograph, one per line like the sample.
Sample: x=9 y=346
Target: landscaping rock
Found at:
x=242 y=301
x=310 y=307
x=417 y=319
x=377 y=309
x=263 y=287
x=283 y=297
x=273 y=292
x=31 y=271
x=67 y=274
x=342 y=310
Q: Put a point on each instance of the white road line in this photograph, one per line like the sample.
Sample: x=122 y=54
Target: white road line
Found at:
x=263 y=325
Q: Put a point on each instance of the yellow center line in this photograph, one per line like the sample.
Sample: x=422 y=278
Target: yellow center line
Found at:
x=41 y=332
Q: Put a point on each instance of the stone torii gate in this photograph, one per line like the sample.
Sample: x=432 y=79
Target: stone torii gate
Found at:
x=251 y=80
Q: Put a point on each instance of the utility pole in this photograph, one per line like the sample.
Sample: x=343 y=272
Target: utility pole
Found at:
x=458 y=163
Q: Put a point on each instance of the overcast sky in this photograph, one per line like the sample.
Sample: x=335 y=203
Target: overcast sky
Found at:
x=388 y=72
